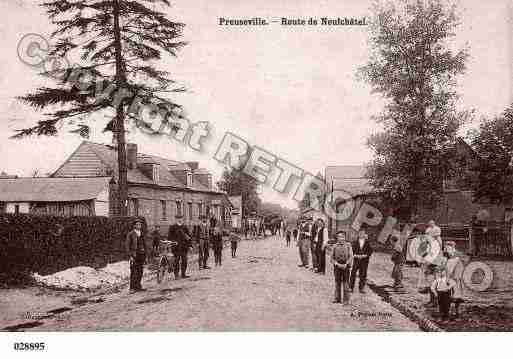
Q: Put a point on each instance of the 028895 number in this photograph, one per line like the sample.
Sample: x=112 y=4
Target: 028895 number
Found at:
x=29 y=346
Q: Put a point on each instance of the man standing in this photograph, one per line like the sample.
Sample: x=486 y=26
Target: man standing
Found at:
x=320 y=250
x=136 y=250
x=313 y=245
x=342 y=259
x=305 y=232
x=397 y=258
x=202 y=235
x=180 y=234
x=362 y=251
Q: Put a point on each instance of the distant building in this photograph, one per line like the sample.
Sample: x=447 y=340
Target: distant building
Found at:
x=236 y=213
x=351 y=180
x=158 y=188
x=55 y=196
x=5 y=175
x=456 y=208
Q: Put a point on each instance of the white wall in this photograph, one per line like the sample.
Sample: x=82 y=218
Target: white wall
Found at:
x=10 y=207
x=101 y=204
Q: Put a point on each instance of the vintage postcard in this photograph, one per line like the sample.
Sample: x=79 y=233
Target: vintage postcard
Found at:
x=255 y=166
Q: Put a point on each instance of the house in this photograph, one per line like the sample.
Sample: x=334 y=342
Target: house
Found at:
x=236 y=213
x=55 y=196
x=456 y=211
x=352 y=182
x=158 y=188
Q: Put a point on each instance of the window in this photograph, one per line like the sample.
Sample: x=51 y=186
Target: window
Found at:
x=164 y=212
x=189 y=179
x=155 y=173
x=179 y=209
x=200 y=209
x=133 y=207
x=190 y=210
x=16 y=209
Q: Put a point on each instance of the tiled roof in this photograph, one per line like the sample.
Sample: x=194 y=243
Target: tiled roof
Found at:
x=108 y=155
x=51 y=189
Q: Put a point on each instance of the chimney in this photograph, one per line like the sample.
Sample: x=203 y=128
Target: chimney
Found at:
x=193 y=165
x=131 y=155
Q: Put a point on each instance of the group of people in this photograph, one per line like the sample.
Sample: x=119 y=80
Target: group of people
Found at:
x=441 y=271
x=440 y=268
x=208 y=235
x=349 y=259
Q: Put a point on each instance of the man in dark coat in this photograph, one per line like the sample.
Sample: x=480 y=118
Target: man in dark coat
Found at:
x=180 y=234
x=202 y=236
x=136 y=251
x=362 y=251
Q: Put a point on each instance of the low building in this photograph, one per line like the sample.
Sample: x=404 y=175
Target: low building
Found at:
x=55 y=196
x=158 y=188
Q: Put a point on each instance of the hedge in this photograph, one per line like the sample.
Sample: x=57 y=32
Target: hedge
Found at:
x=46 y=244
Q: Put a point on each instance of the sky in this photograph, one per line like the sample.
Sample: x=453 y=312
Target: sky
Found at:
x=290 y=90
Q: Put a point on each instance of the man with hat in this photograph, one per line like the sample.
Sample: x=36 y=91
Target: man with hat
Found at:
x=305 y=231
x=136 y=250
x=362 y=251
x=202 y=235
x=180 y=234
x=342 y=260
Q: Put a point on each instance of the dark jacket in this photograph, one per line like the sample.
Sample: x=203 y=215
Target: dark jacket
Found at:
x=155 y=237
x=135 y=244
x=217 y=240
x=367 y=249
x=181 y=235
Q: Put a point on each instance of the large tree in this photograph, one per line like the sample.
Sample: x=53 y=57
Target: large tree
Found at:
x=493 y=142
x=117 y=43
x=414 y=68
x=238 y=183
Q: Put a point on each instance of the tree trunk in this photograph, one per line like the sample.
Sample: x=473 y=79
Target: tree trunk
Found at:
x=120 y=119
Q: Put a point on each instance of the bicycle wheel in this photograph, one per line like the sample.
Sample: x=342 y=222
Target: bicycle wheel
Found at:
x=161 y=270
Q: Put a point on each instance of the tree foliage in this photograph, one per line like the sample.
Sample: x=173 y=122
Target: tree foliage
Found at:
x=414 y=68
x=118 y=43
x=493 y=141
x=238 y=183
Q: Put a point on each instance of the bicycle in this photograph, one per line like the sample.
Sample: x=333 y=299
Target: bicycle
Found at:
x=167 y=260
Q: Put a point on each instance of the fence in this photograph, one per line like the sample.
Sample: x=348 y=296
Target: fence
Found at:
x=492 y=240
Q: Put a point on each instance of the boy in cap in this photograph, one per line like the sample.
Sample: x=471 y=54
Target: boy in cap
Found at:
x=455 y=268
x=397 y=258
x=442 y=289
x=342 y=259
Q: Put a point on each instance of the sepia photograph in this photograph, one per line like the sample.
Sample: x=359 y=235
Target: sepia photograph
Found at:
x=174 y=166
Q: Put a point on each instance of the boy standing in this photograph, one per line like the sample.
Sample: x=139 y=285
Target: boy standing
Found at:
x=156 y=238
x=442 y=288
x=234 y=239
x=342 y=259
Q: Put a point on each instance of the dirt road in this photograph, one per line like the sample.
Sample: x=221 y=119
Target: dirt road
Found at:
x=261 y=289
